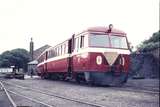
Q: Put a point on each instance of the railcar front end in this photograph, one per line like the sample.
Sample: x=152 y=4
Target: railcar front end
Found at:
x=105 y=58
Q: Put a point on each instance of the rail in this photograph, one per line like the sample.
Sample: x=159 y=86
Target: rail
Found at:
x=9 y=97
x=58 y=96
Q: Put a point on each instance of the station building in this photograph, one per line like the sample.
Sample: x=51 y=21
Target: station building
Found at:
x=34 y=55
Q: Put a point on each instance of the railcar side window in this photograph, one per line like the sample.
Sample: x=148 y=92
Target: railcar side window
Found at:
x=49 y=54
x=66 y=48
x=61 y=50
x=82 y=42
x=57 y=51
x=76 y=44
x=52 y=53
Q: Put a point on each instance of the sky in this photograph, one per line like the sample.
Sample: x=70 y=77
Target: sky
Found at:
x=53 y=21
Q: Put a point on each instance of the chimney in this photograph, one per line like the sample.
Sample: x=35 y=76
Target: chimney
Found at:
x=31 y=48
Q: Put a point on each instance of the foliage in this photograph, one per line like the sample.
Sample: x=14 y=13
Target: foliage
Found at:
x=154 y=38
x=17 y=57
x=152 y=43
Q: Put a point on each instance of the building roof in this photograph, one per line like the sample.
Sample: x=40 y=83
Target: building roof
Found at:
x=34 y=62
x=38 y=51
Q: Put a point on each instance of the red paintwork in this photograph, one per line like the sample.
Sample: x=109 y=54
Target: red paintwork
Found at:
x=127 y=62
x=89 y=63
x=40 y=69
x=58 y=65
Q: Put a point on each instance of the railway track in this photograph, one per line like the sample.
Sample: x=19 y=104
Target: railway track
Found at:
x=84 y=102
x=41 y=104
x=128 y=88
x=9 y=101
x=135 y=89
x=9 y=94
x=51 y=95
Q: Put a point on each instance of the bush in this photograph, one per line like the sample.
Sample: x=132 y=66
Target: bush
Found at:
x=17 y=57
x=152 y=43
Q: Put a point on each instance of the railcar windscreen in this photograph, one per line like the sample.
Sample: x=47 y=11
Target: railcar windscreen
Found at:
x=99 y=41
x=111 y=41
x=118 y=42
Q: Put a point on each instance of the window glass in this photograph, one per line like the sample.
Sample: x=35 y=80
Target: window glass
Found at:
x=66 y=48
x=61 y=50
x=118 y=41
x=49 y=54
x=52 y=53
x=77 y=43
x=82 y=42
x=99 y=40
x=57 y=51
x=112 y=41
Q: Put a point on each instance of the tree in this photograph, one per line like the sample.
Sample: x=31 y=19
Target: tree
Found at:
x=16 y=57
x=152 y=43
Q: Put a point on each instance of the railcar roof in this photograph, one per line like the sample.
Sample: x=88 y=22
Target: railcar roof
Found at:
x=104 y=29
x=91 y=29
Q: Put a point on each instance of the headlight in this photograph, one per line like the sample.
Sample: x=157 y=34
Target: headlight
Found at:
x=122 y=61
x=99 y=60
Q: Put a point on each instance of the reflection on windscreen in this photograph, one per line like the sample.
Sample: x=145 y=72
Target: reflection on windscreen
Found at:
x=99 y=40
x=118 y=41
x=107 y=41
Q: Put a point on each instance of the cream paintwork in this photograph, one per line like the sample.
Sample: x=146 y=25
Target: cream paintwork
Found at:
x=101 y=50
x=111 y=57
x=85 y=52
x=99 y=60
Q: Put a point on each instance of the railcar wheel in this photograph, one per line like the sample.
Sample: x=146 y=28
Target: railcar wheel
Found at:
x=78 y=79
x=46 y=76
x=54 y=76
x=42 y=76
x=91 y=83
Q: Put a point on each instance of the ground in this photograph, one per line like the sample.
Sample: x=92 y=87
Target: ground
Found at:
x=136 y=93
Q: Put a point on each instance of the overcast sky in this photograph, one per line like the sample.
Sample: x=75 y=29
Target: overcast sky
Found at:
x=53 y=21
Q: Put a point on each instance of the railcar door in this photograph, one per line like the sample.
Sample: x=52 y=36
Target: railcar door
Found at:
x=46 y=57
x=70 y=59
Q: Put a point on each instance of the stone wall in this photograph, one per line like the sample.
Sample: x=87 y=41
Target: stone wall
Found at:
x=144 y=65
x=155 y=53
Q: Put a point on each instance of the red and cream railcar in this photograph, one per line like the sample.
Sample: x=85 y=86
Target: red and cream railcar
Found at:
x=98 y=55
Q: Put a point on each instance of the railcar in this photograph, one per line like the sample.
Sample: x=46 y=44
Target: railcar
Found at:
x=98 y=55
